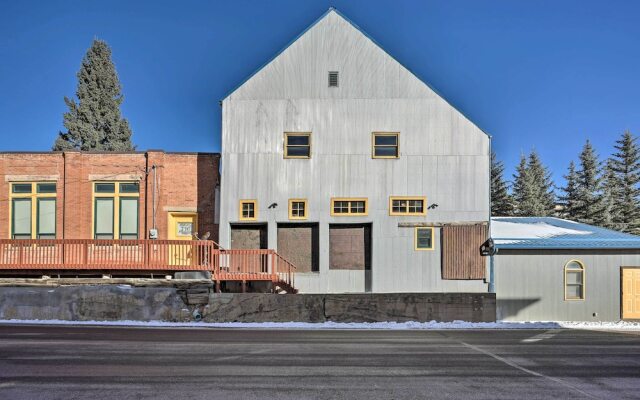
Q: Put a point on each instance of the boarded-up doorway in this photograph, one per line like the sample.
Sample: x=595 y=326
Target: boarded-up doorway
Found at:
x=299 y=244
x=350 y=247
x=249 y=236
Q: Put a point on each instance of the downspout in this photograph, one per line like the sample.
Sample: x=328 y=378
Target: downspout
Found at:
x=153 y=199
x=492 y=282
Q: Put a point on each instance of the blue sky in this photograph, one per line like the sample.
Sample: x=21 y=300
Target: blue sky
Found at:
x=534 y=74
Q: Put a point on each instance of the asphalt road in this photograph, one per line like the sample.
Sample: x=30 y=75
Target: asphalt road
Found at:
x=55 y=362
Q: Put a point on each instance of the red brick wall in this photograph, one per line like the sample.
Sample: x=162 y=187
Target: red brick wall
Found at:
x=184 y=182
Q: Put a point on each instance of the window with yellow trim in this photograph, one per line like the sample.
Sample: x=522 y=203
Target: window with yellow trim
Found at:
x=297 y=145
x=33 y=210
x=385 y=145
x=297 y=209
x=349 y=206
x=423 y=238
x=248 y=210
x=574 y=280
x=116 y=210
x=407 y=205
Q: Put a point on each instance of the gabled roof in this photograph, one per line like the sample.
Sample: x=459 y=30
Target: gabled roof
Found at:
x=556 y=233
x=324 y=15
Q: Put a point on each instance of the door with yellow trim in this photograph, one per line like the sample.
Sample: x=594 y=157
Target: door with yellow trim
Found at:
x=182 y=226
x=630 y=293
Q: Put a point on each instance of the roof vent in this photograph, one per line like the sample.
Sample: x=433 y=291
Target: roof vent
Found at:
x=333 y=78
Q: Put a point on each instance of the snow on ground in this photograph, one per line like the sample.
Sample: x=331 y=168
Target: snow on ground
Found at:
x=619 y=326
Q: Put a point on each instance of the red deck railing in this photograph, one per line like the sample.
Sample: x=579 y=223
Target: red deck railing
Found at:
x=173 y=255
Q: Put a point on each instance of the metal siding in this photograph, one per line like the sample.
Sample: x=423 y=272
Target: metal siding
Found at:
x=530 y=284
x=461 y=257
x=443 y=155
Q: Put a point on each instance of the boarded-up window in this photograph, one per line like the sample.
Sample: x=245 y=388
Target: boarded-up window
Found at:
x=350 y=246
x=461 y=257
x=298 y=244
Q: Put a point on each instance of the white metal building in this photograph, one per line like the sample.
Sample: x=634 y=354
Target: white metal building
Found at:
x=353 y=168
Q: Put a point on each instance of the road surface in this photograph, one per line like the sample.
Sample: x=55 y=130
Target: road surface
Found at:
x=62 y=362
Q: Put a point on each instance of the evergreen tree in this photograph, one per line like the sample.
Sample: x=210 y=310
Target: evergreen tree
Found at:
x=625 y=166
x=610 y=194
x=94 y=122
x=568 y=200
x=589 y=202
x=533 y=188
x=501 y=202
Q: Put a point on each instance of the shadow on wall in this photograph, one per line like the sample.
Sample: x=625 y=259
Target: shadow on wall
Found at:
x=508 y=308
x=207 y=179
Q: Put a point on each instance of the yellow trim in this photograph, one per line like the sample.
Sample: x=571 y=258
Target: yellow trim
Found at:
x=583 y=283
x=116 y=195
x=424 y=205
x=350 y=199
x=172 y=222
x=306 y=208
x=415 y=238
x=34 y=196
x=286 y=140
x=373 y=144
x=255 y=209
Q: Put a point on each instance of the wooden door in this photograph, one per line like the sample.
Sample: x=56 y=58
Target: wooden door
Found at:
x=630 y=293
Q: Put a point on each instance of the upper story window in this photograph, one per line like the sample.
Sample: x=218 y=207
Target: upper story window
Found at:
x=297 y=208
x=115 y=210
x=385 y=145
x=297 y=145
x=405 y=205
x=574 y=280
x=33 y=210
x=248 y=210
x=423 y=238
x=333 y=78
x=349 y=206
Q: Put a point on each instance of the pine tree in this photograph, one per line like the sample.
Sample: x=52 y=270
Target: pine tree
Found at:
x=610 y=194
x=501 y=202
x=589 y=202
x=625 y=165
x=94 y=122
x=568 y=200
x=533 y=188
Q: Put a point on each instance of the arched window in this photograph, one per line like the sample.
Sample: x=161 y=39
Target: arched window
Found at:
x=574 y=280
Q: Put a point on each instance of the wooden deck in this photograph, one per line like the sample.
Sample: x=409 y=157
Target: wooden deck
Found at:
x=147 y=255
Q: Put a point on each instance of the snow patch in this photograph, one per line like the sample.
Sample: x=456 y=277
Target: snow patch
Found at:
x=537 y=230
x=619 y=326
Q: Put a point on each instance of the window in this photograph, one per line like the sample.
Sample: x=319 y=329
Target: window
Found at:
x=297 y=209
x=574 y=280
x=115 y=210
x=402 y=205
x=385 y=145
x=333 y=78
x=297 y=145
x=33 y=210
x=349 y=206
x=424 y=238
x=248 y=210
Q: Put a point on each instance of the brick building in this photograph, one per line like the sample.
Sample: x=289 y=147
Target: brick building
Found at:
x=95 y=195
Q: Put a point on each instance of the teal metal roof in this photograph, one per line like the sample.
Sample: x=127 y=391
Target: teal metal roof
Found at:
x=556 y=233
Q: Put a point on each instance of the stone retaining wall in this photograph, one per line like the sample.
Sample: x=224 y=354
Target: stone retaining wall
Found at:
x=123 y=302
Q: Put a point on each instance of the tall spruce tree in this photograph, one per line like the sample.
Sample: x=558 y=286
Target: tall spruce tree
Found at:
x=589 y=205
x=94 y=122
x=533 y=188
x=610 y=217
x=625 y=166
x=501 y=202
x=570 y=191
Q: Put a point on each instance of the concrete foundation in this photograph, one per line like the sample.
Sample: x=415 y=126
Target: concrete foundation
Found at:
x=178 y=303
